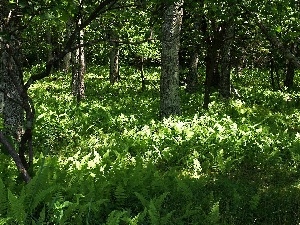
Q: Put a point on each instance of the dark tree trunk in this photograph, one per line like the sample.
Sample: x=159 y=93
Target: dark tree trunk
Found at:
x=212 y=71
x=290 y=71
x=290 y=74
x=274 y=72
x=192 y=77
x=225 y=82
x=169 y=81
x=141 y=67
x=272 y=77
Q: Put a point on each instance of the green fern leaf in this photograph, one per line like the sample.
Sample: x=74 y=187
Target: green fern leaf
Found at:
x=153 y=213
x=144 y=202
x=120 y=196
x=16 y=207
x=3 y=199
x=114 y=217
x=41 y=196
x=5 y=221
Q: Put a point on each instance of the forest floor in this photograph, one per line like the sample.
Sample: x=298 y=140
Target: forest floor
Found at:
x=110 y=160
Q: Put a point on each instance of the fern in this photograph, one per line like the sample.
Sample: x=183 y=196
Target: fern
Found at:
x=3 y=199
x=214 y=215
x=114 y=217
x=41 y=196
x=5 y=221
x=16 y=207
x=120 y=196
x=154 y=208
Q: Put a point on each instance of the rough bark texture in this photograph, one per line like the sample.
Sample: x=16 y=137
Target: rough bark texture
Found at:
x=114 y=73
x=169 y=81
x=78 y=70
x=17 y=108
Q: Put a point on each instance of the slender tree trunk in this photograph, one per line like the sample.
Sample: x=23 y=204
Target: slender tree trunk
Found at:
x=169 y=81
x=78 y=70
x=114 y=72
x=192 y=77
x=141 y=67
x=225 y=82
x=272 y=77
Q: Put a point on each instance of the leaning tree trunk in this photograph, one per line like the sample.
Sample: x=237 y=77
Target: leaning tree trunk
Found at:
x=169 y=81
x=17 y=108
x=225 y=82
x=78 y=70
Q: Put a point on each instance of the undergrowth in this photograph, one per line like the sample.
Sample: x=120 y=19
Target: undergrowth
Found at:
x=110 y=160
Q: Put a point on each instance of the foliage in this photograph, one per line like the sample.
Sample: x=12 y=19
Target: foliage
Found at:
x=109 y=160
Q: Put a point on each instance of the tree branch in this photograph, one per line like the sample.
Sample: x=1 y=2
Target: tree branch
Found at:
x=15 y=157
x=101 y=8
x=272 y=38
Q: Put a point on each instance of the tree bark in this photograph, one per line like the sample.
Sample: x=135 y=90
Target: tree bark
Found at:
x=192 y=77
x=290 y=74
x=290 y=71
x=169 y=81
x=114 y=72
x=18 y=110
x=212 y=71
x=78 y=70
x=225 y=81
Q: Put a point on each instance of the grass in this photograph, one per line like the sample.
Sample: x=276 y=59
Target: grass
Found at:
x=110 y=160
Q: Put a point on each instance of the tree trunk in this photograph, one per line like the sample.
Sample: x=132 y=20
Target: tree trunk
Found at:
x=78 y=70
x=143 y=78
x=16 y=104
x=225 y=82
x=169 y=81
x=212 y=70
x=114 y=72
x=68 y=57
x=192 y=77
x=290 y=72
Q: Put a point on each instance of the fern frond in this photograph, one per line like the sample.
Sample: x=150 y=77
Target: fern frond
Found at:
x=153 y=213
x=16 y=207
x=144 y=202
x=3 y=199
x=41 y=196
x=5 y=221
x=114 y=217
x=120 y=196
x=214 y=215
